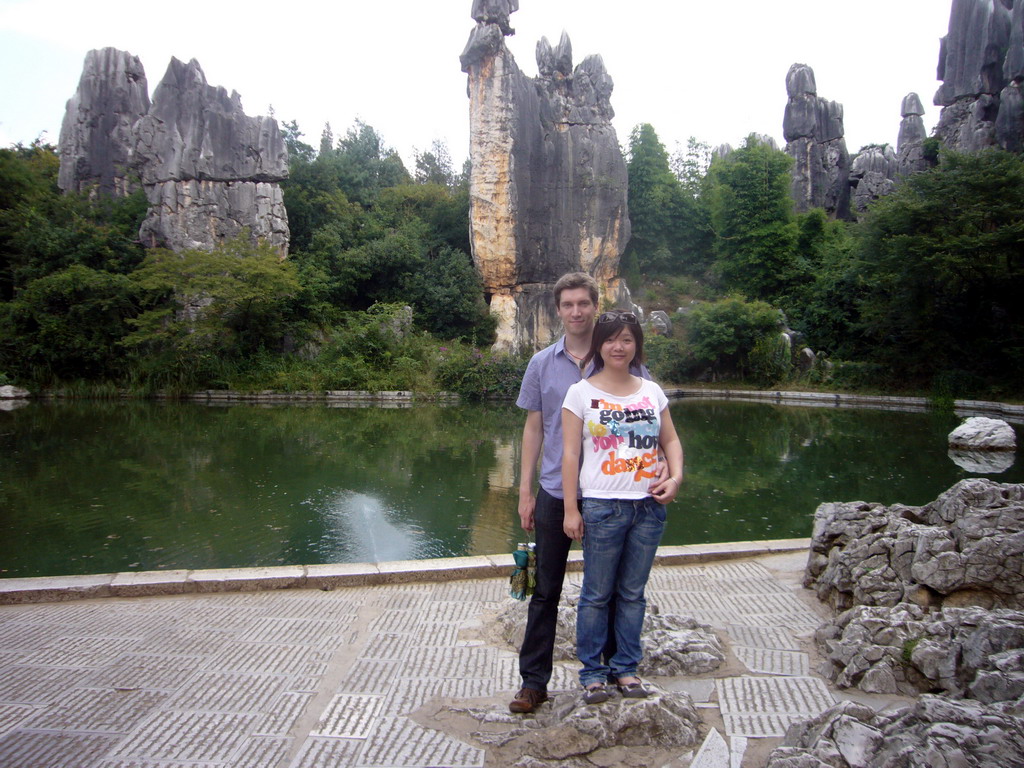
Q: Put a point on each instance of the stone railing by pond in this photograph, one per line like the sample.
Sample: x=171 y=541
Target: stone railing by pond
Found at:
x=1010 y=412
x=402 y=398
x=334 y=397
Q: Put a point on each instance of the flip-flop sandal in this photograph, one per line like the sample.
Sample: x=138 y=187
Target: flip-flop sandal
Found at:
x=596 y=694
x=634 y=691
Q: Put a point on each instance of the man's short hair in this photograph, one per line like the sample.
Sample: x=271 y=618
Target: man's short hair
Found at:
x=573 y=280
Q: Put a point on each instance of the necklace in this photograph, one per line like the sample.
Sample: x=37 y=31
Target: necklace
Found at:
x=575 y=357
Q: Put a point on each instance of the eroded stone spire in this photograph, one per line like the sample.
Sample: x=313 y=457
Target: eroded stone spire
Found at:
x=208 y=169
x=972 y=56
x=548 y=181
x=813 y=129
x=95 y=144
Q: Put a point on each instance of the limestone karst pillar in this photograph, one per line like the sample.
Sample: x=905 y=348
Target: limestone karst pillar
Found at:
x=909 y=144
x=548 y=181
x=209 y=170
x=95 y=144
x=813 y=129
x=971 y=62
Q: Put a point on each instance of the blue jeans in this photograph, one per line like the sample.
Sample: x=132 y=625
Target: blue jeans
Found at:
x=620 y=540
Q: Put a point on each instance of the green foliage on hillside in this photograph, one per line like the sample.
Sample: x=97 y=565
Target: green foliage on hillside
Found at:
x=919 y=294
x=82 y=301
x=942 y=265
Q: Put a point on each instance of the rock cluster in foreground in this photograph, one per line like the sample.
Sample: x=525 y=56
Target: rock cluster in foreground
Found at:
x=906 y=649
x=964 y=548
x=928 y=597
x=933 y=732
x=672 y=644
x=570 y=734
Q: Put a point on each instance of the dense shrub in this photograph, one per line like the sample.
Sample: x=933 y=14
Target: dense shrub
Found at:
x=849 y=374
x=475 y=375
x=771 y=360
x=668 y=359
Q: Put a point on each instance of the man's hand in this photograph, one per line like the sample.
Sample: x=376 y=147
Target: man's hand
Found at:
x=572 y=525
x=533 y=438
x=665 y=491
x=663 y=488
x=527 y=503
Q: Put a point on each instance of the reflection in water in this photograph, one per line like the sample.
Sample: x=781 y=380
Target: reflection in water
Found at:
x=983 y=462
x=504 y=473
x=358 y=528
x=490 y=529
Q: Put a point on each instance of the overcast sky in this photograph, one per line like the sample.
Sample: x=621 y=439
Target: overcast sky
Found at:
x=711 y=69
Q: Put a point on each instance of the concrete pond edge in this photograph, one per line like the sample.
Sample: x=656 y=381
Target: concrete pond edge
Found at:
x=49 y=589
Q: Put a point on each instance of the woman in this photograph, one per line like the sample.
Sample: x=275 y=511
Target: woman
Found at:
x=619 y=421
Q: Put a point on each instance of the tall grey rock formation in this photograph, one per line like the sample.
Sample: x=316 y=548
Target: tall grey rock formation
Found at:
x=95 y=142
x=208 y=169
x=1010 y=118
x=813 y=129
x=981 y=65
x=910 y=143
x=872 y=175
x=548 y=181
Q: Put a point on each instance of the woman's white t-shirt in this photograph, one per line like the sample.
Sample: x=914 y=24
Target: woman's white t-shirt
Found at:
x=620 y=439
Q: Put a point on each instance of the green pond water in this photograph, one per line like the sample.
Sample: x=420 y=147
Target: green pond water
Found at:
x=105 y=487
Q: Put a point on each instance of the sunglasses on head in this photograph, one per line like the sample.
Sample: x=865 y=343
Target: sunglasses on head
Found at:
x=618 y=315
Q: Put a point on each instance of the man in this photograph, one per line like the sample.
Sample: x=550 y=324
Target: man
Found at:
x=548 y=376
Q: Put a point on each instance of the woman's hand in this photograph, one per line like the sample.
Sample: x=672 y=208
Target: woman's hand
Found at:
x=572 y=524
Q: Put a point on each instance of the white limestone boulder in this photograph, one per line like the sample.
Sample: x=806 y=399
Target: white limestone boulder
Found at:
x=980 y=433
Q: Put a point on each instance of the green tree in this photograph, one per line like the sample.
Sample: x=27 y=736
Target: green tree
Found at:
x=43 y=231
x=29 y=174
x=653 y=198
x=326 y=140
x=448 y=298
x=752 y=216
x=690 y=167
x=314 y=200
x=824 y=305
x=671 y=229
x=298 y=150
x=434 y=166
x=365 y=165
x=444 y=211
x=942 y=265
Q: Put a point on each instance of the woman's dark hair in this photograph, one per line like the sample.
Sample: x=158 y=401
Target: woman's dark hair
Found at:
x=608 y=326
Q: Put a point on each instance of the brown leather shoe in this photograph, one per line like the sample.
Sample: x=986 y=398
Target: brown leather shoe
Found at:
x=527 y=700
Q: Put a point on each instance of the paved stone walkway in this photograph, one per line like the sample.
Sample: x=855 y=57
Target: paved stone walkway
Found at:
x=310 y=678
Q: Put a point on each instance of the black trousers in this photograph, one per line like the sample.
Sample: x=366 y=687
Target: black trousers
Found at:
x=542 y=616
